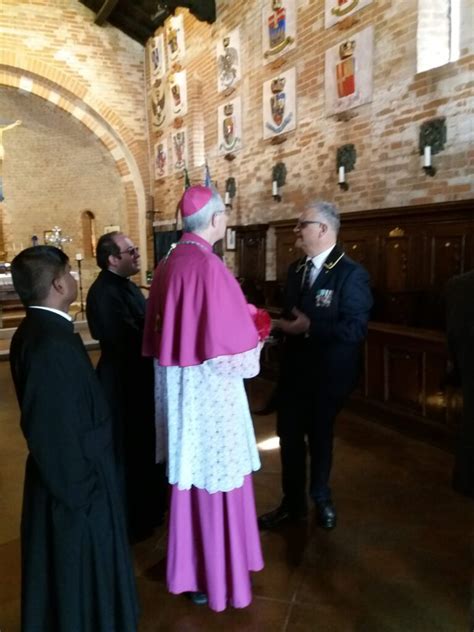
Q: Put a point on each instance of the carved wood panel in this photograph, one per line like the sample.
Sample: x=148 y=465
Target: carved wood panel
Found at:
x=447 y=257
x=363 y=247
x=250 y=251
x=403 y=378
x=286 y=252
x=396 y=260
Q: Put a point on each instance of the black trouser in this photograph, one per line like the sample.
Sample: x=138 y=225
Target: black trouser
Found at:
x=300 y=416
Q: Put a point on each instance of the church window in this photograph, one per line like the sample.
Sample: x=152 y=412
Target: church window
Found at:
x=438 y=33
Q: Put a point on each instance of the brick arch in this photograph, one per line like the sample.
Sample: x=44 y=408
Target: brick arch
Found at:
x=74 y=97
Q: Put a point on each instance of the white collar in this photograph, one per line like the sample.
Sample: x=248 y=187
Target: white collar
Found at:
x=51 y=309
x=318 y=260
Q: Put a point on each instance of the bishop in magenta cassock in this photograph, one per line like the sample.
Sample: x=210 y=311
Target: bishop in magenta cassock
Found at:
x=204 y=342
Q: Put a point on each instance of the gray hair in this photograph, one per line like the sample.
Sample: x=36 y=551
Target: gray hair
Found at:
x=200 y=221
x=328 y=212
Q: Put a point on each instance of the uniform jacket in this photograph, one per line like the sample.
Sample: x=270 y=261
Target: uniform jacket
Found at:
x=338 y=305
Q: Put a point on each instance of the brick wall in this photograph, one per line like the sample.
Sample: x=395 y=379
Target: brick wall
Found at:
x=53 y=50
x=55 y=170
x=385 y=132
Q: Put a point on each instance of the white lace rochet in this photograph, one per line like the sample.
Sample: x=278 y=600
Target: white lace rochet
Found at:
x=204 y=430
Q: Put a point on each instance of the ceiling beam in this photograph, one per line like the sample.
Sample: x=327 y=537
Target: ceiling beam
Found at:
x=105 y=11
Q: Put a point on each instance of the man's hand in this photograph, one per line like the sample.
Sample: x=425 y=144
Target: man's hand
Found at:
x=295 y=327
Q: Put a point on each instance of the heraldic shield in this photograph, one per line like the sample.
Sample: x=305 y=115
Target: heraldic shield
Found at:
x=345 y=70
x=158 y=103
x=172 y=38
x=176 y=94
x=277 y=24
x=228 y=125
x=179 y=140
x=278 y=100
x=227 y=63
x=161 y=160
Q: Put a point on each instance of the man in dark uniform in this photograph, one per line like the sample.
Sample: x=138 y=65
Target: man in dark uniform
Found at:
x=116 y=316
x=76 y=569
x=460 y=331
x=327 y=303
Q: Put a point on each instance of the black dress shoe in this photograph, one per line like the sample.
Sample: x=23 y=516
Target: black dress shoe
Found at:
x=279 y=516
x=326 y=515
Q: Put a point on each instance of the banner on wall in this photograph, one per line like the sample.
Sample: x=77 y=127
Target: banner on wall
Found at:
x=159 y=104
x=157 y=58
x=161 y=159
x=279 y=104
x=175 y=39
x=179 y=144
x=178 y=95
x=349 y=72
x=228 y=61
x=229 y=121
x=337 y=10
x=278 y=28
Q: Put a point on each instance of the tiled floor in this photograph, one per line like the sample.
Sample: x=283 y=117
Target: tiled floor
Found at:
x=400 y=559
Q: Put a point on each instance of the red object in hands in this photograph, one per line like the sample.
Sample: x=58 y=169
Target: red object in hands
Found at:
x=262 y=320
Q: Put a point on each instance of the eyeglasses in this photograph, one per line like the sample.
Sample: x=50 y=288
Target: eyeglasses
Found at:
x=306 y=222
x=133 y=251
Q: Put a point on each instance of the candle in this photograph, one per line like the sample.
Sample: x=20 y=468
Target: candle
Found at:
x=227 y=197
x=274 y=187
x=427 y=156
x=79 y=256
x=342 y=177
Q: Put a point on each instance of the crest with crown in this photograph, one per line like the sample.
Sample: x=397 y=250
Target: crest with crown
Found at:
x=277 y=85
x=228 y=109
x=346 y=49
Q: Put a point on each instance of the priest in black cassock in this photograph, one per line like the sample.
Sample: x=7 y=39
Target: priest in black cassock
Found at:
x=76 y=569
x=116 y=317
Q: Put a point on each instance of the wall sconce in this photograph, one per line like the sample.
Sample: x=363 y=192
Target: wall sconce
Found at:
x=432 y=141
x=278 y=180
x=230 y=191
x=341 y=178
x=345 y=160
x=427 y=166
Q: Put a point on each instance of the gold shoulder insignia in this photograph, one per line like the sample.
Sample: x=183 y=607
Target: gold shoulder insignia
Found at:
x=300 y=265
x=332 y=264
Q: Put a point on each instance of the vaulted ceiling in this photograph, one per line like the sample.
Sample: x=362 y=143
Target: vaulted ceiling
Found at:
x=140 y=18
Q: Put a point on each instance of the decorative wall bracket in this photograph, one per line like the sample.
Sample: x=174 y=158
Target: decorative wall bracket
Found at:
x=345 y=160
x=432 y=140
x=278 y=180
x=279 y=139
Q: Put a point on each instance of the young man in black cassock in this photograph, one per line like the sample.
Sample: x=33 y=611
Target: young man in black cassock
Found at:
x=116 y=317
x=76 y=569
